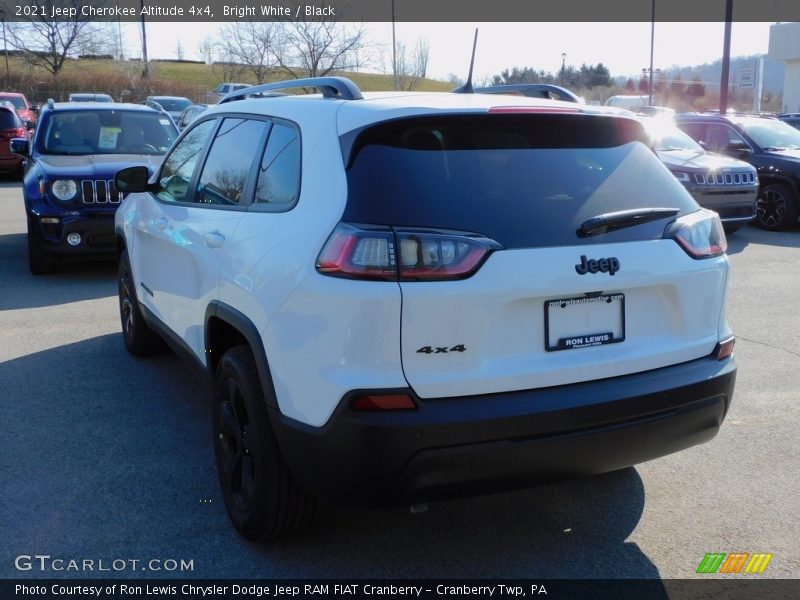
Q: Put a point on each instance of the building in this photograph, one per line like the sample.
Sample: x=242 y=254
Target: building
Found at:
x=784 y=45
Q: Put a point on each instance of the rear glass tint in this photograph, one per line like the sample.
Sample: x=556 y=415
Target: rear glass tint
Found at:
x=522 y=180
x=8 y=120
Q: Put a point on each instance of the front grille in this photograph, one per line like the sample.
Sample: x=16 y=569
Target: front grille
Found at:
x=726 y=178
x=100 y=191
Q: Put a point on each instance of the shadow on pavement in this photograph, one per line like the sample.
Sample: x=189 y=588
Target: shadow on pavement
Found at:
x=755 y=235
x=105 y=455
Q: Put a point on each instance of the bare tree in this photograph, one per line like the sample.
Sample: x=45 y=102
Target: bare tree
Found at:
x=48 y=43
x=252 y=45
x=206 y=49
x=316 y=48
x=411 y=69
x=179 y=52
x=422 y=53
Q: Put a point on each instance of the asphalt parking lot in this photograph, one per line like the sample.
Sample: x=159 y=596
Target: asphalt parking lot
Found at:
x=103 y=456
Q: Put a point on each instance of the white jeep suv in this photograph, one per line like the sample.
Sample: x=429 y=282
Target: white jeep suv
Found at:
x=399 y=297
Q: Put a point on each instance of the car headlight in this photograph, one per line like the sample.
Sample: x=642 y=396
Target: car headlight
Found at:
x=682 y=177
x=64 y=189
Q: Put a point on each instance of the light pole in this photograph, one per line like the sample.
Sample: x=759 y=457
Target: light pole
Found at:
x=563 y=69
x=5 y=46
x=145 y=69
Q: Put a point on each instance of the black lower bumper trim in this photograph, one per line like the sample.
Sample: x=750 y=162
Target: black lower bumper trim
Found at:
x=478 y=444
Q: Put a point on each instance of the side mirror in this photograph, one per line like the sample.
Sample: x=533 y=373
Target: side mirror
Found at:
x=132 y=179
x=739 y=150
x=20 y=146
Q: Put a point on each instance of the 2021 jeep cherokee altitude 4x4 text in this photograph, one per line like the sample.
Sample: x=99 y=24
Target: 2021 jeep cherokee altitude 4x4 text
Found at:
x=404 y=297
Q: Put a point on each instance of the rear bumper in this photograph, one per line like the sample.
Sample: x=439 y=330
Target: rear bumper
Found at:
x=479 y=444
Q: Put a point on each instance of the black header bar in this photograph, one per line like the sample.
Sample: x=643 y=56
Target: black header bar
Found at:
x=464 y=11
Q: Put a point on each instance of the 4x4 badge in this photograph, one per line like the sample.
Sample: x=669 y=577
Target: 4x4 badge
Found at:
x=608 y=265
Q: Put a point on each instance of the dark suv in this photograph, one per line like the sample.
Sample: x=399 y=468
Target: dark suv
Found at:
x=770 y=145
x=68 y=186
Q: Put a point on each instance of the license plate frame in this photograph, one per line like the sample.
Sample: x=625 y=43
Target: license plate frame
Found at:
x=607 y=332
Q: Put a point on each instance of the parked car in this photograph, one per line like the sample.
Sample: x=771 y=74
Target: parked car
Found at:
x=26 y=111
x=629 y=102
x=656 y=111
x=89 y=97
x=533 y=297
x=792 y=119
x=718 y=182
x=189 y=114
x=10 y=127
x=770 y=145
x=222 y=89
x=68 y=186
x=172 y=105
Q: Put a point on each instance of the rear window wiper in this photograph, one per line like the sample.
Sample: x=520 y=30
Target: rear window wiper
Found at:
x=623 y=218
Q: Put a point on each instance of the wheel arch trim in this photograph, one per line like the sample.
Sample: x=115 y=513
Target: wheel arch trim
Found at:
x=241 y=323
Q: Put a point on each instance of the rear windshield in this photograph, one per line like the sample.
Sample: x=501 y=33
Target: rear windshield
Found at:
x=107 y=132
x=522 y=180
x=15 y=100
x=9 y=120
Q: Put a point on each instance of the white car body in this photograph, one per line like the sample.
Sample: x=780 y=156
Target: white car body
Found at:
x=325 y=337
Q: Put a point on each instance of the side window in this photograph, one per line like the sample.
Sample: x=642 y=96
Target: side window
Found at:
x=721 y=138
x=696 y=130
x=173 y=182
x=279 y=174
x=230 y=160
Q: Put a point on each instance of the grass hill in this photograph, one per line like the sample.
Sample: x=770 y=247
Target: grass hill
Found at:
x=122 y=79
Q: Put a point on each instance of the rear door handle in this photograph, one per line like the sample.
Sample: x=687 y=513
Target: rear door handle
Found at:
x=161 y=223
x=214 y=239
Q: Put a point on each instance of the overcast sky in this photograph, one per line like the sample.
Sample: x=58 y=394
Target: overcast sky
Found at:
x=623 y=47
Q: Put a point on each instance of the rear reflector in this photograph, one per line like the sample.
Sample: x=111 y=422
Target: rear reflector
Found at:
x=383 y=402
x=699 y=233
x=366 y=252
x=725 y=348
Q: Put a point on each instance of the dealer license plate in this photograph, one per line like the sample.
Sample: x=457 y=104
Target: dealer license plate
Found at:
x=584 y=322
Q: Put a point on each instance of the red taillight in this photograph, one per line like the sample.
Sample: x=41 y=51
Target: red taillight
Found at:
x=376 y=402
x=436 y=255
x=402 y=254
x=17 y=132
x=359 y=253
x=699 y=233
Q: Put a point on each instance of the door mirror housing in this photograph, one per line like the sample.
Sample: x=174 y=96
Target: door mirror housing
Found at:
x=20 y=146
x=132 y=180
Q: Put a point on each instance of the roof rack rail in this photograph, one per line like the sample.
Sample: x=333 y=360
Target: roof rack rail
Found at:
x=532 y=90
x=50 y=103
x=339 y=88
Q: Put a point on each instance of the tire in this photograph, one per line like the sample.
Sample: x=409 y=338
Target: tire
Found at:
x=139 y=339
x=39 y=260
x=263 y=500
x=777 y=207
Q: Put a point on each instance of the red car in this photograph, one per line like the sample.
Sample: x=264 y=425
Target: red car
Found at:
x=10 y=127
x=22 y=105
